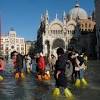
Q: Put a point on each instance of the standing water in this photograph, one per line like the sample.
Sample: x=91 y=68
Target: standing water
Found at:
x=32 y=89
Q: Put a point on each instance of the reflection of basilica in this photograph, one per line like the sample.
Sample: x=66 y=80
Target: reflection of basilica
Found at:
x=76 y=29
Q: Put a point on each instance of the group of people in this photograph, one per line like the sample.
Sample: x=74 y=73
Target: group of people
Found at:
x=21 y=64
x=67 y=65
x=66 y=62
x=63 y=63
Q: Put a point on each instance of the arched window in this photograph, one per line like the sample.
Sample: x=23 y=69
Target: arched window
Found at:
x=82 y=25
x=86 y=25
x=89 y=25
x=53 y=31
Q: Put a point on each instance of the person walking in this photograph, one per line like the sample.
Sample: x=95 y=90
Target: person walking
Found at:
x=2 y=68
x=19 y=67
x=59 y=75
x=41 y=66
x=28 y=64
x=79 y=71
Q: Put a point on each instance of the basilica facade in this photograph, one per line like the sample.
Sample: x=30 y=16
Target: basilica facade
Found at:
x=76 y=29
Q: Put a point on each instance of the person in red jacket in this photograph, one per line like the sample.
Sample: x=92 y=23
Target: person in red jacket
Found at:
x=41 y=64
x=2 y=67
x=2 y=64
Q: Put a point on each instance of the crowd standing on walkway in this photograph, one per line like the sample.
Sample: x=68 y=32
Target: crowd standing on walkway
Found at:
x=67 y=65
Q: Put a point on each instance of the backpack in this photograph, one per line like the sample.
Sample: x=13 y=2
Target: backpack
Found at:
x=68 y=69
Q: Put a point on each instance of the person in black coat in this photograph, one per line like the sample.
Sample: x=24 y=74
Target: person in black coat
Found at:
x=19 y=63
x=60 y=66
x=19 y=66
x=59 y=74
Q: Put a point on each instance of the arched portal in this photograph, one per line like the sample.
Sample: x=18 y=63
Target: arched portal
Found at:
x=58 y=43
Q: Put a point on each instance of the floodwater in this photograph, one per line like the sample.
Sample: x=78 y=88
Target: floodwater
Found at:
x=32 y=89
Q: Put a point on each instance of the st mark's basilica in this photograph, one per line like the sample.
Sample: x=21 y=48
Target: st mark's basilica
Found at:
x=76 y=29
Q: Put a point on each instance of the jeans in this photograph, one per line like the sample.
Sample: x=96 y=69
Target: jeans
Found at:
x=81 y=73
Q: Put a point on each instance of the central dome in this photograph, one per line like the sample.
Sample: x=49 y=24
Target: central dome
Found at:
x=78 y=12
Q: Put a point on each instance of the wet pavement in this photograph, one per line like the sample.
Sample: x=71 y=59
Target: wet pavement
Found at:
x=32 y=89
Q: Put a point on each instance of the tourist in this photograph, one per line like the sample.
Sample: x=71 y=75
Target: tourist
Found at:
x=19 y=66
x=2 y=68
x=28 y=62
x=53 y=62
x=79 y=70
x=41 y=65
x=59 y=74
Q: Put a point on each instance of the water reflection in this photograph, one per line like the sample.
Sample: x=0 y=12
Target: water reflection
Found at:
x=32 y=89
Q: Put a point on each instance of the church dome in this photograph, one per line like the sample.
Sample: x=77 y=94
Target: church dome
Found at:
x=78 y=12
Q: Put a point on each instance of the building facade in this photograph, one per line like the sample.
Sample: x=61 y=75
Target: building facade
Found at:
x=12 y=43
x=97 y=14
x=29 y=47
x=65 y=33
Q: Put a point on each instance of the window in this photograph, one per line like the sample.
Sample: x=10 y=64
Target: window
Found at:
x=1 y=40
x=12 y=35
x=6 y=48
x=22 y=48
x=18 y=49
x=7 y=45
x=86 y=25
x=54 y=31
x=21 y=40
x=1 y=46
x=82 y=25
x=68 y=32
x=12 y=47
x=17 y=40
x=89 y=25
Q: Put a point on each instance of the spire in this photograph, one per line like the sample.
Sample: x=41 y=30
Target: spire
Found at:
x=46 y=12
x=71 y=17
x=46 y=15
x=64 y=14
x=42 y=18
x=56 y=16
x=64 y=18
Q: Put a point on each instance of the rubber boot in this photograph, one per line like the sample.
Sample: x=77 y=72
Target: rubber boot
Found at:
x=16 y=75
x=48 y=73
x=1 y=78
x=84 y=82
x=78 y=83
x=56 y=92
x=68 y=93
x=22 y=75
